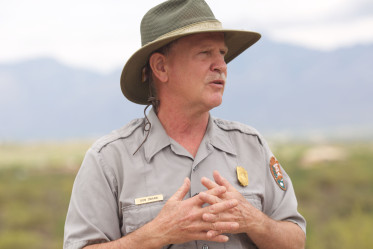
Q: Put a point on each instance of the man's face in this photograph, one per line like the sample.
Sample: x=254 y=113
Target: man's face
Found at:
x=197 y=71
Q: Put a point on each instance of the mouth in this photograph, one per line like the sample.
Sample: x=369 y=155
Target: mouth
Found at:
x=218 y=82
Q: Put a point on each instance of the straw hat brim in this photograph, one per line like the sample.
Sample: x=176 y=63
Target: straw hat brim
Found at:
x=136 y=91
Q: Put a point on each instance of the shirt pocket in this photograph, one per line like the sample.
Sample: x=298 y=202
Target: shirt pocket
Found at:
x=254 y=200
x=135 y=216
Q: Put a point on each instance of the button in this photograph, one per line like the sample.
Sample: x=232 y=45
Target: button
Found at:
x=205 y=247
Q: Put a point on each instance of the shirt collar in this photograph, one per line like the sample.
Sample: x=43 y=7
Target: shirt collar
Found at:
x=219 y=138
x=158 y=138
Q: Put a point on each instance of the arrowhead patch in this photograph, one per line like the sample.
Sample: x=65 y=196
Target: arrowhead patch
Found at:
x=276 y=173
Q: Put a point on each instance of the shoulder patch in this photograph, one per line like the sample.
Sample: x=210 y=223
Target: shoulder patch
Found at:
x=276 y=173
x=237 y=126
x=120 y=133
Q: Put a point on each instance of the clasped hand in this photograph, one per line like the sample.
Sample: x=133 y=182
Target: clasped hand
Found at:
x=184 y=220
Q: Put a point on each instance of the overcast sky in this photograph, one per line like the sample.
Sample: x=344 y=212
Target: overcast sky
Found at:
x=103 y=34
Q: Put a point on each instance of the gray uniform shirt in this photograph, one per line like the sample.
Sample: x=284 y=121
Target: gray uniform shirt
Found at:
x=102 y=206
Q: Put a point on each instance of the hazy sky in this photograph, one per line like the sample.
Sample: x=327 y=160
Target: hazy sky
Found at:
x=103 y=34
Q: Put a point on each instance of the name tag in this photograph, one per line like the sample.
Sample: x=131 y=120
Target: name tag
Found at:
x=148 y=199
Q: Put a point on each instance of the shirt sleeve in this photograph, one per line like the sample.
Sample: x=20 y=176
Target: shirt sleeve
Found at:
x=280 y=202
x=94 y=190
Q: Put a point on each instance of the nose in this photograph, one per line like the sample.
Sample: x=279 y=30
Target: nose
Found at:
x=219 y=64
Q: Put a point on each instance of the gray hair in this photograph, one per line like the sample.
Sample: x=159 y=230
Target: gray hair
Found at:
x=153 y=98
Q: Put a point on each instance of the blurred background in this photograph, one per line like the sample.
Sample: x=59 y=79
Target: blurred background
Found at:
x=307 y=86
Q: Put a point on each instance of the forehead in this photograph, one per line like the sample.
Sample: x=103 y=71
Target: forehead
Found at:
x=203 y=39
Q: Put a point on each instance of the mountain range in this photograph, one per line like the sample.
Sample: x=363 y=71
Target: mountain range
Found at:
x=277 y=88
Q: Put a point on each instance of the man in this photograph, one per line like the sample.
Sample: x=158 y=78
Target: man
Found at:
x=180 y=178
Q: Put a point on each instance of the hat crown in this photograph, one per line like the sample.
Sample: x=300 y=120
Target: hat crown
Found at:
x=172 y=15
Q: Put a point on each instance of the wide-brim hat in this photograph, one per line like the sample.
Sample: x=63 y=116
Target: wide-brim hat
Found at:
x=168 y=22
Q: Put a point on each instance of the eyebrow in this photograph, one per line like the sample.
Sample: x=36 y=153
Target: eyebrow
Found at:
x=202 y=46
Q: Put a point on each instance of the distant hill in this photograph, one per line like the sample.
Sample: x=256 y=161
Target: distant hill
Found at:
x=281 y=87
x=43 y=99
x=273 y=87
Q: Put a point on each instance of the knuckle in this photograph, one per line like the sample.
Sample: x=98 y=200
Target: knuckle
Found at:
x=212 y=209
x=213 y=226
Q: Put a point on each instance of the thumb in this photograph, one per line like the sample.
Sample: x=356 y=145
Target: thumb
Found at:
x=182 y=191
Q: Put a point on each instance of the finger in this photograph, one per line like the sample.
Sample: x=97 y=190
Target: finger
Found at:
x=212 y=233
x=182 y=191
x=216 y=191
x=218 y=228
x=209 y=217
x=220 y=207
x=221 y=180
x=209 y=195
x=208 y=183
x=208 y=198
x=205 y=236
x=217 y=238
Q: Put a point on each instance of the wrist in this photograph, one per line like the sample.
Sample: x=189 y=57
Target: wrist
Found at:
x=153 y=233
x=146 y=237
x=257 y=224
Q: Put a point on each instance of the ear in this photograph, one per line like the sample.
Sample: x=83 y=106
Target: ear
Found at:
x=157 y=63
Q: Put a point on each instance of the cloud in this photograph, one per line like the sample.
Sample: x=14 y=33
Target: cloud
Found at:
x=104 y=34
x=327 y=36
x=84 y=33
x=318 y=24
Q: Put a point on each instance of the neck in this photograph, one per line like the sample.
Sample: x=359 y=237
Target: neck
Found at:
x=184 y=126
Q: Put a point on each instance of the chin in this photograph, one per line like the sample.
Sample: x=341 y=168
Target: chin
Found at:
x=215 y=103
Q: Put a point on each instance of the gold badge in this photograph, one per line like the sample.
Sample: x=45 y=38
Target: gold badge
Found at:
x=148 y=199
x=242 y=176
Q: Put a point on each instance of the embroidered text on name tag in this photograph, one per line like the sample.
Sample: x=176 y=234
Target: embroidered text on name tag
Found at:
x=148 y=199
